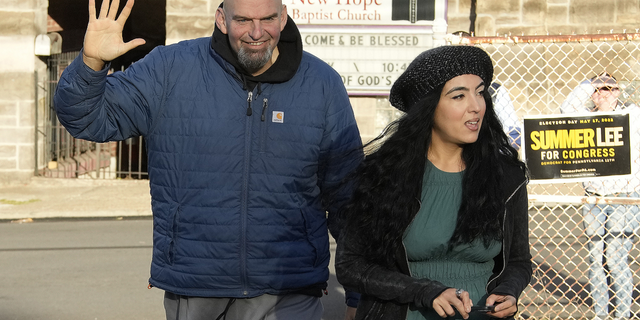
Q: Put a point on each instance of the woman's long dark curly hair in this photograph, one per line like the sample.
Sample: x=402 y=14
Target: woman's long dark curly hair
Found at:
x=389 y=181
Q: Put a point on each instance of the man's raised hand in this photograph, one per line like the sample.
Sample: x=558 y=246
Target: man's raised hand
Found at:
x=103 y=40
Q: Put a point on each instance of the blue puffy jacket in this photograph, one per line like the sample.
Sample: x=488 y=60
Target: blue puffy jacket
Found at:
x=239 y=201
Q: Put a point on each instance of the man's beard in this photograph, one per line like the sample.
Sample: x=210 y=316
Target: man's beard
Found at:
x=251 y=60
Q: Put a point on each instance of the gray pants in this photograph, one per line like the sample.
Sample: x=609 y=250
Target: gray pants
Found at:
x=265 y=307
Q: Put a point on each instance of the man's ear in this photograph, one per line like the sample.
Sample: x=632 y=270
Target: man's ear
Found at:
x=221 y=22
x=283 y=17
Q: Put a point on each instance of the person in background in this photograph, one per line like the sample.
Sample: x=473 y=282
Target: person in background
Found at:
x=438 y=222
x=506 y=112
x=248 y=140
x=610 y=227
x=578 y=99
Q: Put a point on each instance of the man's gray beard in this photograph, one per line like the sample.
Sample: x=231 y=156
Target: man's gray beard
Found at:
x=252 y=61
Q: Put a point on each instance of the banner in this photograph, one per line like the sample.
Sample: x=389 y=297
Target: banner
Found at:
x=577 y=147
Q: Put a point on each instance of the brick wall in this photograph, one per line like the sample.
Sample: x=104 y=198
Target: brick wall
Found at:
x=189 y=19
x=20 y=22
x=539 y=17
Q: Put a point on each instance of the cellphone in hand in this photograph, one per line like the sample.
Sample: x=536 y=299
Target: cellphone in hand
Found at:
x=482 y=309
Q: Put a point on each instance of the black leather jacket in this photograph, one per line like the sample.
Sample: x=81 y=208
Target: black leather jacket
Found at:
x=388 y=292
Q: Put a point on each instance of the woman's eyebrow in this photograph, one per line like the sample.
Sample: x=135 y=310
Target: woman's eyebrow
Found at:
x=457 y=89
x=461 y=88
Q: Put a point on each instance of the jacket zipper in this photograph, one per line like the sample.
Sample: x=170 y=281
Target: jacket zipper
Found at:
x=245 y=195
x=504 y=257
x=504 y=254
x=249 y=100
x=264 y=110
x=264 y=125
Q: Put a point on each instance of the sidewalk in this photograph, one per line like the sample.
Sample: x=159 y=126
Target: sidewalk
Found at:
x=74 y=198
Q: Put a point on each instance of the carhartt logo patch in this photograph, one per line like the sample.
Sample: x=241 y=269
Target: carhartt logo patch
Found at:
x=278 y=117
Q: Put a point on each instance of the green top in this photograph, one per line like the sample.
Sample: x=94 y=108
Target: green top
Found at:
x=426 y=240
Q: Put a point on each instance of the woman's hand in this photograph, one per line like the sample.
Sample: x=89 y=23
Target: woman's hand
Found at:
x=445 y=303
x=505 y=306
x=350 y=314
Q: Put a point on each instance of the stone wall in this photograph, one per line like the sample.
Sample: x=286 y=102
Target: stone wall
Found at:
x=541 y=17
x=20 y=22
x=189 y=19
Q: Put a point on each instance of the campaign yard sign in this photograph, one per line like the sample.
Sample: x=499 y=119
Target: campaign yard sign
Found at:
x=577 y=147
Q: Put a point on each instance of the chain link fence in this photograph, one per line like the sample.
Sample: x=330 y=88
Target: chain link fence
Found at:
x=577 y=274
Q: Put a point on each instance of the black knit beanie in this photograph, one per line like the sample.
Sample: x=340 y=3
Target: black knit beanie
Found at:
x=435 y=67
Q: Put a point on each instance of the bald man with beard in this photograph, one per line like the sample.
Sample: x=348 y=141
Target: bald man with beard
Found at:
x=248 y=139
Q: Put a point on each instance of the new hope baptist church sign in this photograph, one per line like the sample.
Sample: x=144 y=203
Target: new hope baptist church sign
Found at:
x=367 y=12
x=369 y=42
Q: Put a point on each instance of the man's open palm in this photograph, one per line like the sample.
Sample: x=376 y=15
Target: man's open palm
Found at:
x=103 y=40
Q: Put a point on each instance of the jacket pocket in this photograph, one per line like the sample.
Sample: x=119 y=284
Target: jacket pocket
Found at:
x=172 y=231
x=308 y=235
x=317 y=236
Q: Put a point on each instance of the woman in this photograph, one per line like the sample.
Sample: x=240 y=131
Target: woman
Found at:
x=438 y=220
